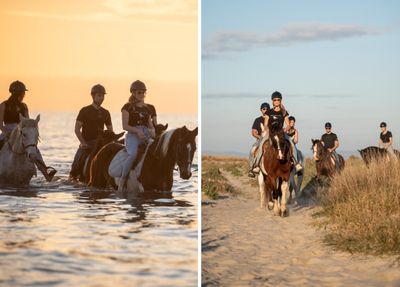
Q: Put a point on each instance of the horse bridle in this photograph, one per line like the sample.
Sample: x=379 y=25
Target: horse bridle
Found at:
x=23 y=145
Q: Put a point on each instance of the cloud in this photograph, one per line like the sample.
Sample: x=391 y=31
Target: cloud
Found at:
x=236 y=41
x=175 y=11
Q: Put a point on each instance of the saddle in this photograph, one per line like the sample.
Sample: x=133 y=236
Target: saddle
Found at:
x=117 y=163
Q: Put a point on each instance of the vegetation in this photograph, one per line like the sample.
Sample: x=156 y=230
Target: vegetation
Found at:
x=361 y=208
x=213 y=182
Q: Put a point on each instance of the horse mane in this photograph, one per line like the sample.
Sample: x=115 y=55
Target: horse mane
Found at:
x=163 y=143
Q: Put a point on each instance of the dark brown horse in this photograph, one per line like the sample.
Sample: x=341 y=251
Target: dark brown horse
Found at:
x=103 y=138
x=375 y=153
x=276 y=166
x=325 y=161
x=172 y=147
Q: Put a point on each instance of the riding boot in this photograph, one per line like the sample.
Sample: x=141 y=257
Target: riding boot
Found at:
x=47 y=171
x=297 y=166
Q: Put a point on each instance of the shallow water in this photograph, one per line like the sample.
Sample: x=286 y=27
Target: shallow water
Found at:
x=64 y=234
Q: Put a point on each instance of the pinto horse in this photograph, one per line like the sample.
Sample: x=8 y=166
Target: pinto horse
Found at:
x=16 y=166
x=371 y=153
x=155 y=171
x=276 y=166
x=325 y=161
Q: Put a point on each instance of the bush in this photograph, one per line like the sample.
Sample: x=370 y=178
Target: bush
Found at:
x=362 y=208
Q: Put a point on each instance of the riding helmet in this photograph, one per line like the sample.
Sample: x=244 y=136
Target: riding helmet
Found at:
x=383 y=125
x=276 y=95
x=16 y=87
x=98 y=89
x=138 y=85
x=264 y=105
x=328 y=125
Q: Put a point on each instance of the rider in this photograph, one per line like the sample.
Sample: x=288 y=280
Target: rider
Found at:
x=138 y=120
x=9 y=119
x=256 y=131
x=386 y=139
x=279 y=115
x=331 y=142
x=89 y=124
x=292 y=131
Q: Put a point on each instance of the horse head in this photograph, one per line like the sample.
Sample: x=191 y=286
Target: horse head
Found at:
x=279 y=143
x=25 y=137
x=185 y=149
x=159 y=129
x=318 y=149
x=104 y=138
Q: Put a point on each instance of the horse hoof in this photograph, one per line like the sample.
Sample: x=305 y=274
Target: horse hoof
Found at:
x=270 y=205
x=285 y=213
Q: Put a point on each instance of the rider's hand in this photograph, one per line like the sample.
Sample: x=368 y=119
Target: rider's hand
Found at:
x=141 y=135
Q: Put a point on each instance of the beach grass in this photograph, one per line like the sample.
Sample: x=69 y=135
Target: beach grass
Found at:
x=361 y=208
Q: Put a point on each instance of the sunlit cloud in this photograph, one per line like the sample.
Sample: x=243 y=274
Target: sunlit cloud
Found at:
x=237 y=41
x=176 y=11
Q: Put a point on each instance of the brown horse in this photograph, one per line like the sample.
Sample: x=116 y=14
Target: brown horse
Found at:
x=103 y=138
x=276 y=166
x=325 y=161
x=172 y=147
x=371 y=153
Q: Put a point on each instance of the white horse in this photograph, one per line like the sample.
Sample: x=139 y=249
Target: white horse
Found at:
x=16 y=166
x=295 y=185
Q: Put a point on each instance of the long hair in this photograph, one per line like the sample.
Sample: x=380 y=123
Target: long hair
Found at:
x=13 y=104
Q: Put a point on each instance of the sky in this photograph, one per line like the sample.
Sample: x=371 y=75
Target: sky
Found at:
x=335 y=61
x=60 y=49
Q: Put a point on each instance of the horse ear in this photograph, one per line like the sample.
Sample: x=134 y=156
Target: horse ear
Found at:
x=37 y=118
x=195 y=132
x=166 y=126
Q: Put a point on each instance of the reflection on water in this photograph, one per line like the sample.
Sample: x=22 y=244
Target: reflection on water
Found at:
x=64 y=234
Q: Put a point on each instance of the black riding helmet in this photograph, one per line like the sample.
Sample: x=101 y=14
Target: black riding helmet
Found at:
x=138 y=85
x=264 y=105
x=17 y=87
x=276 y=95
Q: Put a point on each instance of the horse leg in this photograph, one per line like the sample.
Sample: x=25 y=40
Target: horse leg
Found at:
x=275 y=194
x=263 y=192
x=299 y=183
x=292 y=186
x=284 y=189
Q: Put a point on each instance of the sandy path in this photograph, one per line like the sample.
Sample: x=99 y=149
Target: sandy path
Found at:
x=246 y=246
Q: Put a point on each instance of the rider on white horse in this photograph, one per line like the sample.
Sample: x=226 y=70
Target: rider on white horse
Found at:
x=280 y=117
x=10 y=111
x=294 y=137
x=256 y=132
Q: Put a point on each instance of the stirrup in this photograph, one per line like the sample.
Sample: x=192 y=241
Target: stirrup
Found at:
x=298 y=167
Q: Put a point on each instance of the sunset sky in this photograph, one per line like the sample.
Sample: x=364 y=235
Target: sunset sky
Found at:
x=60 y=49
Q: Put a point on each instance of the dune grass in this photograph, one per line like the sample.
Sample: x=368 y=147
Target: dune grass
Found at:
x=213 y=182
x=361 y=208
